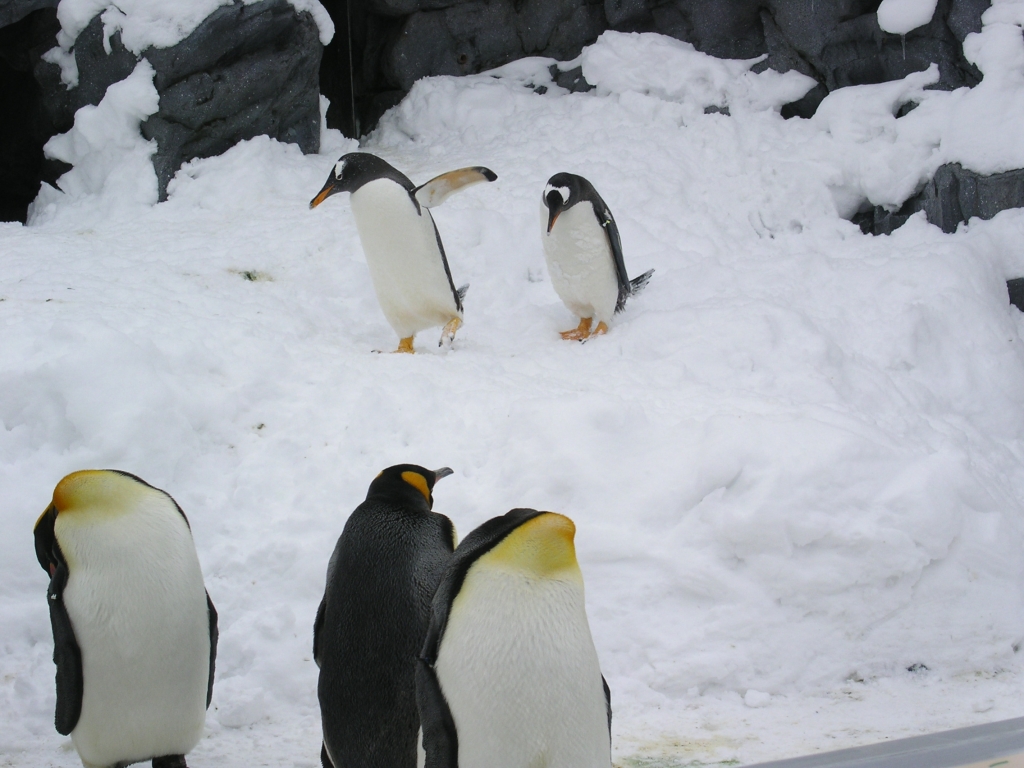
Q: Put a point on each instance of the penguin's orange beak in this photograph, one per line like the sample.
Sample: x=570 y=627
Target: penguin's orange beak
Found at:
x=329 y=189
x=552 y=215
x=555 y=205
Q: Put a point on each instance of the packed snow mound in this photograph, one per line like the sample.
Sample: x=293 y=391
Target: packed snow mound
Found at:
x=673 y=70
x=795 y=462
x=112 y=174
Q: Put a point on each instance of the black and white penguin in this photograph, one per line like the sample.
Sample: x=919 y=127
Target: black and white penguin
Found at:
x=134 y=630
x=508 y=676
x=374 y=616
x=584 y=254
x=403 y=249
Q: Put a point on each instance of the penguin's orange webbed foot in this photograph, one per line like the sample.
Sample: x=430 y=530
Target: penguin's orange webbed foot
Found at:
x=601 y=329
x=448 y=332
x=405 y=345
x=580 y=332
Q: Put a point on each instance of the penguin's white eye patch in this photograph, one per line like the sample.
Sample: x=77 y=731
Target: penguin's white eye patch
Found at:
x=339 y=168
x=562 y=191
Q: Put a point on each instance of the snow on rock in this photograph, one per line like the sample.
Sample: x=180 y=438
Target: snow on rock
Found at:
x=112 y=174
x=673 y=70
x=155 y=23
x=901 y=16
x=796 y=461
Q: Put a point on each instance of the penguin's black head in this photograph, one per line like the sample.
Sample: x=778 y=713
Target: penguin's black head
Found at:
x=353 y=171
x=561 y=193
x=407 y=484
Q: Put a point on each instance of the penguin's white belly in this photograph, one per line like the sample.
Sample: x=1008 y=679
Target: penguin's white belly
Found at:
x=581 y=263
x=403 y=256
x=519 y=671
x=142 y=625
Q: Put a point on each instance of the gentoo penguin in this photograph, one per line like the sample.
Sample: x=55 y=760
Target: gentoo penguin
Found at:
x=508 y=676
x=403 y=249
x=134 y=630
x=584 y=254
x=373 y=617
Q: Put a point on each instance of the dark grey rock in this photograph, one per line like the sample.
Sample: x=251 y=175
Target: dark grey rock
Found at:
x=622 y=12
x=24 y=122
x=97 y=70
x=965 y=17
x=392 y=43
x=952 y=196
x=1015 y=289
x=12 y=11
x=570 y=79
x=246 y=70
x=482 y=34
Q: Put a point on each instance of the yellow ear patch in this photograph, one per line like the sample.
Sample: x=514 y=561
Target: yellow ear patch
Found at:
x=419 y=482
x=543 y=546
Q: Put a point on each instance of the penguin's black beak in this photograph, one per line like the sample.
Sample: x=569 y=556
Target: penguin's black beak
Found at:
x=330 y=188
x=442 y=472
x=554 y=203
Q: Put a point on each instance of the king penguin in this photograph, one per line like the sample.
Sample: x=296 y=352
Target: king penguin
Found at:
x=373 y=618
x=403 y=248
x=508 y=676
x=584 y=254
x=134 y=630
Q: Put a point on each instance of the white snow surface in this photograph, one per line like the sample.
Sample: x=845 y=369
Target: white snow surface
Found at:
x=795 y=462
x=902 y=16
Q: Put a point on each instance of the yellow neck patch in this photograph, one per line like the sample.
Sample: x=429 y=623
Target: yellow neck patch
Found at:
x=543 y=546
x=97 y=491
x=419 y=482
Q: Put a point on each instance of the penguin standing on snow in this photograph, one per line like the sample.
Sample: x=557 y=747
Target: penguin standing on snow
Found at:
x=373 y=618
x=403 y=249
x=584 y=254
x=508 y=676
x=134 y=630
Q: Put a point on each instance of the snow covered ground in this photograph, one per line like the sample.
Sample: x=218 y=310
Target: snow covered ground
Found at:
x=795 y=463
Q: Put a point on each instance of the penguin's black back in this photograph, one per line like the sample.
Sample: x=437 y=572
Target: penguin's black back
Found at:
x=371 y=626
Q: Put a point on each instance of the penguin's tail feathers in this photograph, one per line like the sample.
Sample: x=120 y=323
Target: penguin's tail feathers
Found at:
x=464 y=289
x=637 y=284
x=634 y=287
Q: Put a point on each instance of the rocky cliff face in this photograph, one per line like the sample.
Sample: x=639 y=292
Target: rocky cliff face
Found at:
x=393 y=43
x=257 y=69
x=245 y=70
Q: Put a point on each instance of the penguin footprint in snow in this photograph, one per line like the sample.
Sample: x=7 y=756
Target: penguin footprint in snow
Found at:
x=403 y=248
x=584 y=254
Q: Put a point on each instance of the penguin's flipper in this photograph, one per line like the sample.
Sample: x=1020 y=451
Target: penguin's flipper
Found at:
x=318 y=625
x=611 y=230
x=440 y=188
x=456 y=294
x=440 y=739
x=66 y=655
x=607 y=703
x=211 y=613
x=325 y=759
